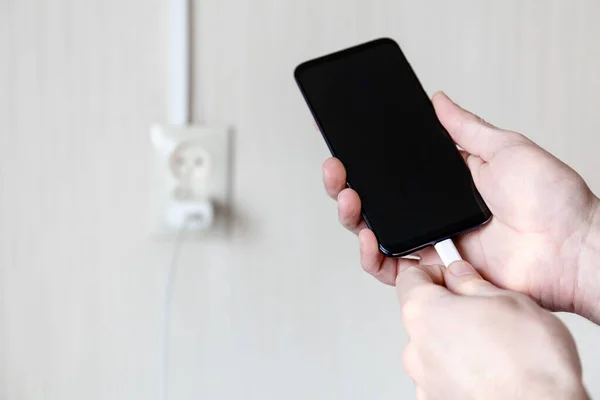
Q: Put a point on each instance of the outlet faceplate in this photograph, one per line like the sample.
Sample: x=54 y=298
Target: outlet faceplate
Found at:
x=192 y=165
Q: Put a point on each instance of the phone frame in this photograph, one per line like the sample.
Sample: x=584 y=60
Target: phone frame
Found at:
x=409 y=246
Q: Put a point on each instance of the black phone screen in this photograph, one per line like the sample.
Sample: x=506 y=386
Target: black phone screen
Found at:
x=377 y=119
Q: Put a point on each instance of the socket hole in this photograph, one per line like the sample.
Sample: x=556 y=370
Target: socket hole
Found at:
x=177 y=161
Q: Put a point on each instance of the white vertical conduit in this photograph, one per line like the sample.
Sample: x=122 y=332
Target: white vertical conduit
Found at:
x=179 y=63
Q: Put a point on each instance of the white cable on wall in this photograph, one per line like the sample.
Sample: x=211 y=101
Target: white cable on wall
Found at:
x=171 y=274
x=178 y=114
x=179 y=63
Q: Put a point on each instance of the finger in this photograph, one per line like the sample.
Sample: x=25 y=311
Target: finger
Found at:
x=383 y=268
x=416 y=283
x=469 y=131
x=349 y=211
x=461 y=278
x=334 y=177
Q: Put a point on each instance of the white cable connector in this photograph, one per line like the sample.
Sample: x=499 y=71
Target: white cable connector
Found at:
x=447 y=251
x=195 y=215
x=171 y=274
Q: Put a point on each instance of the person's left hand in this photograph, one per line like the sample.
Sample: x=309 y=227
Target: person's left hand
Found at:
x=472 y=340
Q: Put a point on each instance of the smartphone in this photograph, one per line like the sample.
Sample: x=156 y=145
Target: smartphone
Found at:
x=376 y=118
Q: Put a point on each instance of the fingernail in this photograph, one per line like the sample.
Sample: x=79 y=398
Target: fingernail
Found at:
x=461 y=268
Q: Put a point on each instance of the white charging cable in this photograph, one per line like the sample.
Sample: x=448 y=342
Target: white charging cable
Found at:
x=447 y=251
x=171 y=274
x=178 y=115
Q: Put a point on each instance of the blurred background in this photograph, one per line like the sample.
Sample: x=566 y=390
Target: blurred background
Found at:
x=281 y=308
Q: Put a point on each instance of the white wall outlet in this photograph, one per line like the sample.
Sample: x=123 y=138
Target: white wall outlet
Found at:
x=191 y=176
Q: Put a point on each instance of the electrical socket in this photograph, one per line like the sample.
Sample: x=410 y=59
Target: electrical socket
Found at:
x=192 y=171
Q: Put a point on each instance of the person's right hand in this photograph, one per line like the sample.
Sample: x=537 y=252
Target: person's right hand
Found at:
x=541 y=239
x=471 y=340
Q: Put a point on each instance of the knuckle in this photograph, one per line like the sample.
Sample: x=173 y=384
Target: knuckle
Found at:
x=342 y=217
x=513 y=303
x=410 y=361
x=436 y=271
x=346 y=223
x=473 y=286
x=515 y=138
x=484 y=122
x=369 y=267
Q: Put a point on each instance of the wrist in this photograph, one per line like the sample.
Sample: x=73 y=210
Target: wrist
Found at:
x=559 y=389
x=587 y=296
x=575 y=392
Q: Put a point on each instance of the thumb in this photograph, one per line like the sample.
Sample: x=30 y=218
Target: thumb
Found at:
x=420 y=280
x=461 y=278
x=469 y=131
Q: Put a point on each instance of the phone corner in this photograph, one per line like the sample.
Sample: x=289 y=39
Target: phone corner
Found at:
x=299 y=69
x=385 y=40
x=386 y=252
x=488 y=217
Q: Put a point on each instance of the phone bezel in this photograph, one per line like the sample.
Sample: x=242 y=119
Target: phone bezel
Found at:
x=466 y=225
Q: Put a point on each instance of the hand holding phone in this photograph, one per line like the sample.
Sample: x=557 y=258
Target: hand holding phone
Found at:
x=545 y=235
x=416 y=189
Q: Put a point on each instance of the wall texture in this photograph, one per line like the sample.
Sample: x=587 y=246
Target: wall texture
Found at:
x=281 y=309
